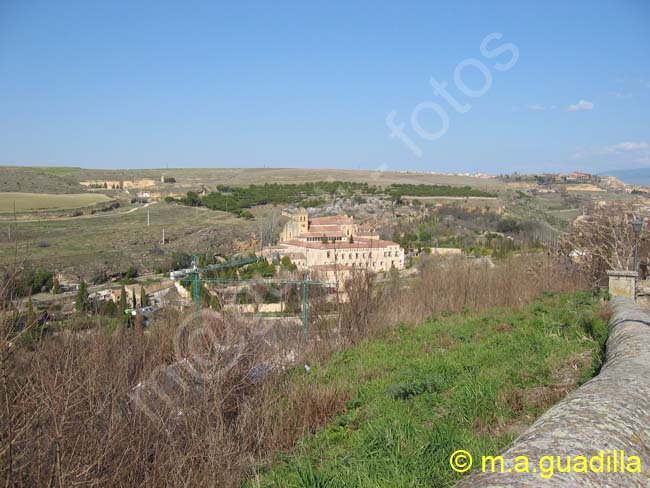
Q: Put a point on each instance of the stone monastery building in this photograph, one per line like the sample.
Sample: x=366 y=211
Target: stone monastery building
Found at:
x=335 y=243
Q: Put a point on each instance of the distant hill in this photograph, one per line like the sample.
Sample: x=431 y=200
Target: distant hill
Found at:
x=639 y=176
x=36 y=180
x=190 y=178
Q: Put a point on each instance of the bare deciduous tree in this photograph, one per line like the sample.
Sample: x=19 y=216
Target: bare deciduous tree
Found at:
x=603 y=239
x=267 y=226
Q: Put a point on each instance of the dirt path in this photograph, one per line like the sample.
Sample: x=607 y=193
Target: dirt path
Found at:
x=81 y=217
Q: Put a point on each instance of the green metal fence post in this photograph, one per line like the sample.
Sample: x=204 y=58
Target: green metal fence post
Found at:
x=305 y=305
x=195 y=288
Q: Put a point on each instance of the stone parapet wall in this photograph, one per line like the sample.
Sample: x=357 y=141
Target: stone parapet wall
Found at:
x=622 y=283
x=610 y=412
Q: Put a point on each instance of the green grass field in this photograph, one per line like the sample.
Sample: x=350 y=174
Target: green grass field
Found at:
x=119 y=238
x=42 y=201
x=422 y=392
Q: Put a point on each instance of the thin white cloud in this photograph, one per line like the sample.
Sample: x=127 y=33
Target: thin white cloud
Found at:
x=627 y=153
x=618 y=94
x=629 y=146
x=537 y=107
x=638 y=152
x=646 y=83
x=581 y=106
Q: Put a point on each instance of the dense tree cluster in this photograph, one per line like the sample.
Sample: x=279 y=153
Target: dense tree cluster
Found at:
x=30 y=281
x=238 y=199
x=263 y=269
x=397 y=191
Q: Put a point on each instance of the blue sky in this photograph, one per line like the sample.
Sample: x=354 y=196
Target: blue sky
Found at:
x=147 y=84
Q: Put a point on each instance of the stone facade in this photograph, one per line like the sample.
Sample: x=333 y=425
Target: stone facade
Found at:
x=336 y=243
x=375 y=254
x=297 y=225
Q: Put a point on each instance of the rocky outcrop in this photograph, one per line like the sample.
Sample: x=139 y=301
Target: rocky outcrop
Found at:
x=609 y=413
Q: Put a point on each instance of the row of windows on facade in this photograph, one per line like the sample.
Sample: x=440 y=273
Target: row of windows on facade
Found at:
x=363 y=256
x=319 y=239
x=392 y=264
x=303 y=263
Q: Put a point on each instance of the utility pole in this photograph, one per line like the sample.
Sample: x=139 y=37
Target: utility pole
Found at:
x=147 y=218
x=196 y=287
x=163 y=241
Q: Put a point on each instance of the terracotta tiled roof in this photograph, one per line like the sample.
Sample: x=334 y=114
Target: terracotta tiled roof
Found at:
x=334 y=219
x=357 y=244
x=321 y=234
x=315 y=227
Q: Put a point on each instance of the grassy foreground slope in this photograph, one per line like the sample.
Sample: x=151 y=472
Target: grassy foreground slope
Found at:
x=422 y=392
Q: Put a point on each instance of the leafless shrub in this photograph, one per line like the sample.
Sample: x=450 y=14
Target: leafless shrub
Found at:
x=358 y=309
x=459 y=285
x=268 y=226
x=604 y=239
x=69 y=413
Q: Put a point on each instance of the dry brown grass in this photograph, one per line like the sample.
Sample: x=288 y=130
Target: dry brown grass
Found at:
x=72 y=410
x=71 y=414
x=460 y=285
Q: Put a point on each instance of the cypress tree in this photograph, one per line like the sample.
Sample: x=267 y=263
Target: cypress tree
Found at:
x=122 y=300
x=81 y=303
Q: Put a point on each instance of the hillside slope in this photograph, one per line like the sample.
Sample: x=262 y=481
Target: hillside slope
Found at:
x=454 y=383
x=36 y=181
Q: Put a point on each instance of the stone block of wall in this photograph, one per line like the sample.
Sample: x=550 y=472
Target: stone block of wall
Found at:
x=622 y=283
